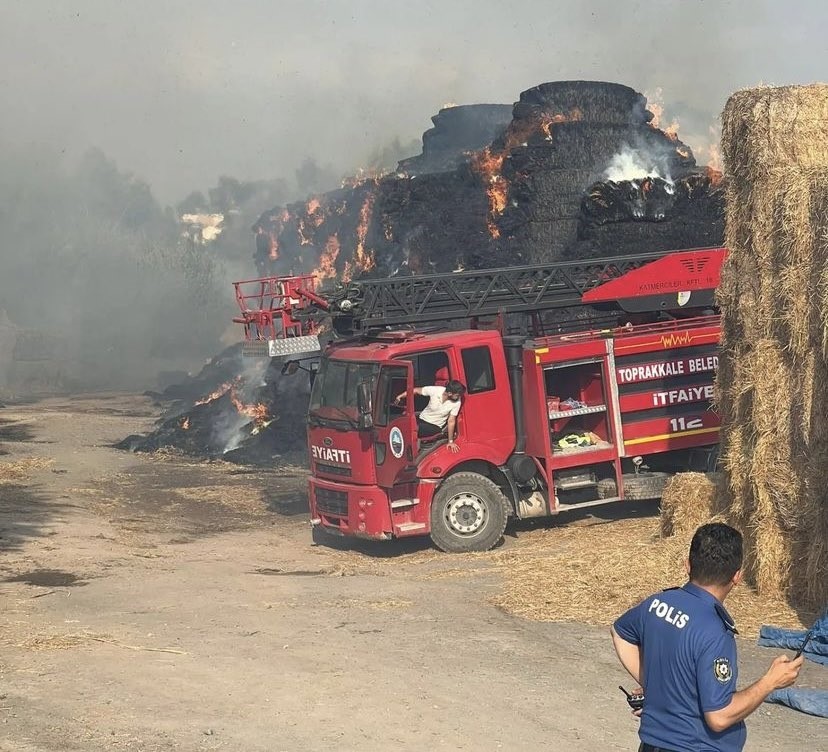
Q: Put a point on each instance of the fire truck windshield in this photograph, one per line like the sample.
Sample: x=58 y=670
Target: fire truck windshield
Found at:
x=334 y=395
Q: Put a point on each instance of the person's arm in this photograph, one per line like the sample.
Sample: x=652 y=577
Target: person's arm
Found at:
x=629 y=654
x=451 y=428
x=418 y=390
x=782 y=673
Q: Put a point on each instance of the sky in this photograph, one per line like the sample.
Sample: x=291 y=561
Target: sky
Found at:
x=182 y=91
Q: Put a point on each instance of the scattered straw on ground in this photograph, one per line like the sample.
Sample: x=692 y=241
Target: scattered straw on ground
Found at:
x=390 y=604
x=77 y=639
x=593 y=573
x=22 y=468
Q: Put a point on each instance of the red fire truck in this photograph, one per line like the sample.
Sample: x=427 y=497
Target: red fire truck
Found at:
x=555 y=417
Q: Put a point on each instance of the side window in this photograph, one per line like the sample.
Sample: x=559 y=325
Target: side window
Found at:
x=477 y=363
x=391 y=383
x=430 y=369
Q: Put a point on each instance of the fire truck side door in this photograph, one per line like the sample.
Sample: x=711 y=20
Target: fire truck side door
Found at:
x=394 y=423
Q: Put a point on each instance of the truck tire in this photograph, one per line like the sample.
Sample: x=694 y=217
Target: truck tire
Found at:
x=636 y=487
x=469 y=513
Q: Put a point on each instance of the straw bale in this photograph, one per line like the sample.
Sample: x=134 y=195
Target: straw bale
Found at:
x=772 y=384
x=689 y=500
x=765 y=127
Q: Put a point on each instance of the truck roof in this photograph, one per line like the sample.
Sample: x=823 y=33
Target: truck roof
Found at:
x=389 y=345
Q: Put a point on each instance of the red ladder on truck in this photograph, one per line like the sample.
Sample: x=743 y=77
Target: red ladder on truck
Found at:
x=282 y=315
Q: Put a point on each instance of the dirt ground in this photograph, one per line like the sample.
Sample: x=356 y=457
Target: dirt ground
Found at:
x=153 y=603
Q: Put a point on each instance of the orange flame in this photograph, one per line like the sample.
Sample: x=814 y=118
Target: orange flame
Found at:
x=364 y=259
x=315 y=212
x=327 y=261
x=715 y=176
x=214 y=395
x=279 y=223
x=258 y=412
x=655 y=104
x=488 y=163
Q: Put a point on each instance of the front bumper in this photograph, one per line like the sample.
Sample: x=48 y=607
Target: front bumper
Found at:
x=345 y=509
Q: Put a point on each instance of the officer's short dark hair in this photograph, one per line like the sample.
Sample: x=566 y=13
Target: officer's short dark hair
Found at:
x=455 y=387
x=715 y=554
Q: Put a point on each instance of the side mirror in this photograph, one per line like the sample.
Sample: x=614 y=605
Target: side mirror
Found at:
x=289 y=368
x=364 y=405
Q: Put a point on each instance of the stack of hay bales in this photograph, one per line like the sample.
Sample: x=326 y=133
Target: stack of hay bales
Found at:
x=772 y=383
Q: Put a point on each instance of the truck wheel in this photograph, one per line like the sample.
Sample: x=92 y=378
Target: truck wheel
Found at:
x=469 y=513
x=636 y=487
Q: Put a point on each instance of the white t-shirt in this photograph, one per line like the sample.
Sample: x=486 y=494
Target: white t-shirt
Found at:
x=437 y=411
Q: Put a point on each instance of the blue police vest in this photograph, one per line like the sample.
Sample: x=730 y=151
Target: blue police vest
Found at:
x=689 y=668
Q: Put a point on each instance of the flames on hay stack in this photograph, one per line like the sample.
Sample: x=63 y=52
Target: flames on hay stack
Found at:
x=772 y=384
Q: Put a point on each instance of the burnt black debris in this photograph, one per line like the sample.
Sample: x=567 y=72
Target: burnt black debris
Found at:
x=235 y=410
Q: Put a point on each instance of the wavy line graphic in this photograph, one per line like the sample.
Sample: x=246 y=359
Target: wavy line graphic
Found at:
x=674 y=340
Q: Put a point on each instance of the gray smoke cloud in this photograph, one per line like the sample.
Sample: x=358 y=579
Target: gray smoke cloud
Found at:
x=182 y=92
x=286 y=95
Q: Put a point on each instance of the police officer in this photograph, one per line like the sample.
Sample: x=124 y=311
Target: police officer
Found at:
x=679 y=646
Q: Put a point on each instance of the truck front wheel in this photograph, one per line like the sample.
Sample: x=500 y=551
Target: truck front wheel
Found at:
x=469 y=513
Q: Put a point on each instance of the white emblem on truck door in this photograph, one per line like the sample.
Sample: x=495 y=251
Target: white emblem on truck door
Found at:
x=397 y=442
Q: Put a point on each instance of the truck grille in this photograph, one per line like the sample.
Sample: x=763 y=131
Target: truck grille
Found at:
x=332 y=502
x=321 y=467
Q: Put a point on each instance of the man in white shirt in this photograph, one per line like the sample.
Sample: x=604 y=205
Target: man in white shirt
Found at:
x=441 y=412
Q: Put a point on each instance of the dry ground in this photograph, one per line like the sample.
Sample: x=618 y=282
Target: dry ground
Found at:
x=154 y=603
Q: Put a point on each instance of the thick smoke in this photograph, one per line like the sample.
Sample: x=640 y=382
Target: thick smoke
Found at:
x=98 y=285
x=99 y=288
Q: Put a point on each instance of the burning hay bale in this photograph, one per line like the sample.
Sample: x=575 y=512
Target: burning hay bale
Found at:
x=772 y=385
x=245 y=412
x=493 y=190
x=689 y=500
x=457 y=131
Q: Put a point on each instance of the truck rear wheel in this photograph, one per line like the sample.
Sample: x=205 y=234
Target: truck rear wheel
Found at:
x=469 y=513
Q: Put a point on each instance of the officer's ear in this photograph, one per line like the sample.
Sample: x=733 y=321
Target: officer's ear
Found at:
x=687 y=566
x=737 y=578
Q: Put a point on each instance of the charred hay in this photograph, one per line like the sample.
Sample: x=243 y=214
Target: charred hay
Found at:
x=491 y=191
x=457 y=131
x=772 y=384
x=235 y=410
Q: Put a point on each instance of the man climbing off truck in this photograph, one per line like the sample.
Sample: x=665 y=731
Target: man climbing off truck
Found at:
x=440 y=415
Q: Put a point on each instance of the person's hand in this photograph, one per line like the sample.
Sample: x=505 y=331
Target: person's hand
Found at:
x=783 y=671
x=638 y=691
x=453 y=447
